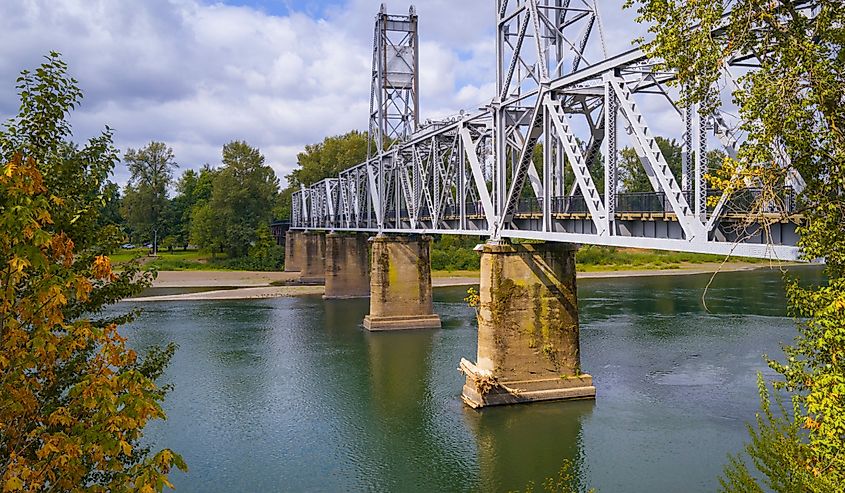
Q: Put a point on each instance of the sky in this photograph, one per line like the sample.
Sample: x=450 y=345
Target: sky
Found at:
x=279 y=74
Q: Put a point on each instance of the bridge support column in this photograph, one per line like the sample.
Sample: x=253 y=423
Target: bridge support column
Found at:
x=400 y=284
x=347 y=266
x=294 y=250
x=314 y=262
x=528 y=346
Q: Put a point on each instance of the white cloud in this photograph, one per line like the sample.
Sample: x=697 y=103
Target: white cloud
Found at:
x=196 y=74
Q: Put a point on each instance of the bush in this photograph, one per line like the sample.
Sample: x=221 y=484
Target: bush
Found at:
x=455 y=253
x=270 y=260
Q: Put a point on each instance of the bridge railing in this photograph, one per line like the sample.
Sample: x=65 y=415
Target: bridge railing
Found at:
x=747 y=200
x=642 y=202
x=744 y=201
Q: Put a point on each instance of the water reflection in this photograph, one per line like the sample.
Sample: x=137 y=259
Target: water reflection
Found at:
x=398 y=364
x=671 y=297
x=520 y=444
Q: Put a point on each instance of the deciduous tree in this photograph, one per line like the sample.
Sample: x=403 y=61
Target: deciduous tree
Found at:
x=243 y=194
x=633 y=175
x=145 y=199
x=74 y=398
x=318 y=161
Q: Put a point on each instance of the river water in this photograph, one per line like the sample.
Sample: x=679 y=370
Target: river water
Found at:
x=292 y=394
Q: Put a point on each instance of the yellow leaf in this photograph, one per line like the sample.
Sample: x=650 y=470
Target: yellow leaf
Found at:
x=13 y=484
x=126 y=448
x=102 y=267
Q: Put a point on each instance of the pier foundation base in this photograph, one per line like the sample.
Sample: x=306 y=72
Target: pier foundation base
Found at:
x=347 y=266
x=528 y=343
x=400 y=284
x=313 y=265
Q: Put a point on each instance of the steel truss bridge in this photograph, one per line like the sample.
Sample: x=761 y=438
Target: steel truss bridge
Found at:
x=526 y=166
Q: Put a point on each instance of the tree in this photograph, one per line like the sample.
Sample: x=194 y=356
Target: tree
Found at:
x=595 y=169
x=193 y=189
x=206 y=231
x=326 y=159
x=75 y=399
x=243 y=194
x=145 y=202
x=793 y=115
x=329 y=158
x=110 y=205
x=633 y=175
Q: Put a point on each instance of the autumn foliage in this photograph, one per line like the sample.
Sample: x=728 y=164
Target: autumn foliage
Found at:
x=74 y=399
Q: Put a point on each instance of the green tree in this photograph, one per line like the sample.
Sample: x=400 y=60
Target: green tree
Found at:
x=145 y=199
x=243 y=195
x=192 y=191
x=206 y=230
x=110 y=205
x=181 y=208
x=596 y=170
x=318 y=161
x=328 y=158
x=74 y=399
x=633 y=175
x=793 y=115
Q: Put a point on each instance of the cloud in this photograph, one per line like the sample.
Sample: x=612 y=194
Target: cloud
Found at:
x=197 y=74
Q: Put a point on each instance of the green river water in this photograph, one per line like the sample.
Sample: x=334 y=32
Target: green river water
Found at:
x=292 y=394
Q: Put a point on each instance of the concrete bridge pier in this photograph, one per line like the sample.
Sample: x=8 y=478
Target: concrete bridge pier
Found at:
x=313 y=267
x=528 y=346
x=294 y=250
x=347 y=266
x=400 y=284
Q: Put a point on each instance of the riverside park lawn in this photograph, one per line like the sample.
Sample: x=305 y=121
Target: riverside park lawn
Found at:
x=175 y=260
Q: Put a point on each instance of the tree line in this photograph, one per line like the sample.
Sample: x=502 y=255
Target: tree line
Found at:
x=227 y=209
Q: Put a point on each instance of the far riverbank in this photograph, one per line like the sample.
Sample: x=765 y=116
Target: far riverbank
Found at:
x=242 y=285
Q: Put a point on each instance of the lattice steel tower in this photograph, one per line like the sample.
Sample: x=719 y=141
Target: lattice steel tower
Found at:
x=394 y=98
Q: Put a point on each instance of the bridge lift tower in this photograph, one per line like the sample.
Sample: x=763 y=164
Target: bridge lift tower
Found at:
x=394 y=104
x=394 y=98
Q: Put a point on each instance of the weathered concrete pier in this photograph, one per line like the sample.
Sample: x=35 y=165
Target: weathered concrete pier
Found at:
x=528 y=344
x=294 y=250
x=400 y=284
x=347 y=266
x=313 y=266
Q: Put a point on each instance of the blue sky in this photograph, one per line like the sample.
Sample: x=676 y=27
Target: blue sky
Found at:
x=312 y=8
x=279 y=74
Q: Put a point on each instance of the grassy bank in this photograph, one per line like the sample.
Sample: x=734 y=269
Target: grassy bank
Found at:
x=606 y=259
x=175 y=260
x=455 y=254
x=600 y=259
x=452 y=259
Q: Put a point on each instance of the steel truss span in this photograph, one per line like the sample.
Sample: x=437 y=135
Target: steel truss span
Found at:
x=530 y=165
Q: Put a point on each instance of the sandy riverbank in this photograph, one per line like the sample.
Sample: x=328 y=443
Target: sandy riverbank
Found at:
x=256 y=285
